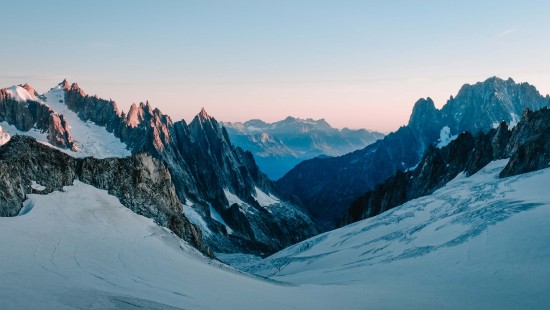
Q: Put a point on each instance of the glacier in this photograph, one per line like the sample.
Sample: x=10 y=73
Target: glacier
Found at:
x=479 y=242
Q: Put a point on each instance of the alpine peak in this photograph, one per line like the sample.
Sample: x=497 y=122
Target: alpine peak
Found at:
x=203 y=115
x=64 y=85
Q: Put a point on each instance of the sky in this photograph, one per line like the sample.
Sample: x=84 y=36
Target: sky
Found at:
x=358 y=64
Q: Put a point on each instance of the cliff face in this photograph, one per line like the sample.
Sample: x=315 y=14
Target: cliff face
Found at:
x=141 y=182
x=527 y=145
x=327 y=186
x=25 y=115
x=215 y=181
x=206 y=169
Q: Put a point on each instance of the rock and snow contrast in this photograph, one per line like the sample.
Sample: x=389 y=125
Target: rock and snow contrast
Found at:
x=480 y=242
x=328 y=186
x=135 y=208
x=86 y=138
x=82 y=249
x=217 y=182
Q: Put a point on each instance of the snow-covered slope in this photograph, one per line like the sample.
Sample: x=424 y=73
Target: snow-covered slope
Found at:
x=478 y=243
x=81 y=249
x=19 y=93
x=90 y=139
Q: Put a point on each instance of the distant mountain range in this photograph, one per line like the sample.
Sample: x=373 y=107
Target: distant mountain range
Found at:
x=279 y=146
x=328 y=186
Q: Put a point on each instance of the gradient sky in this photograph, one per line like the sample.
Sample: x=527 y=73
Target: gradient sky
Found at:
x=358 y=64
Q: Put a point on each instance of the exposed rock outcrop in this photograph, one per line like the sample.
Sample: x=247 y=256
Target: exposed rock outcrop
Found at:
x=25 y=115
x=327 y=186
x=527 y=145
x=204 y=166
x=140 y=182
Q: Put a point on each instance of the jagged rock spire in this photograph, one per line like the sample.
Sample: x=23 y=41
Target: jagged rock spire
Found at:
x=203 y=115
x=65 y=85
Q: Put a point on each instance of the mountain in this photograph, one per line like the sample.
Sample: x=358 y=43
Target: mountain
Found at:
x=526 y=144
x=80 y=248
x=279 y=146
x=219 y=186
x=141 y=183
x=328 y=186
x=479 y=242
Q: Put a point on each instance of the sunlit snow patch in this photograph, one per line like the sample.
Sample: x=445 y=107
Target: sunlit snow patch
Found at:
x=20 y=94
x=91 y=139
x=445 y=137
x=264 y=199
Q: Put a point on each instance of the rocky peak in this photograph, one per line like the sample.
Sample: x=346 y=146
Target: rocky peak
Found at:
x=424 y=110
x=30 y=90
x=527 y=145
x=141 y=183
x=204 y=165
x=76 y=88
x=64 y=85
x=203 y=116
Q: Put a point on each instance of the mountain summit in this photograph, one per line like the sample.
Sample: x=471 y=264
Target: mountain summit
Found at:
x=219 y=186
x=327 y=186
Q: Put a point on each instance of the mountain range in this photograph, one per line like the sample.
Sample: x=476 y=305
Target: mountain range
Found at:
x=105 y=209
x=278 y=147
x=327 y=187
x=217 y=186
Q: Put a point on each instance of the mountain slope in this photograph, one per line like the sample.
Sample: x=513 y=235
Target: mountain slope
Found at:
x=206 y=169
x=141 y=183
x=327 y=186
x=479 y=242
x=526 y=144
x=80 y=248
x=279 y=146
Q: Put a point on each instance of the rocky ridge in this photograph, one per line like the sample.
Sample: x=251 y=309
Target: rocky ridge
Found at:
x=207 y=172
x=527 y=145
x=141 y=182
x=25 y=115
x=328 y=186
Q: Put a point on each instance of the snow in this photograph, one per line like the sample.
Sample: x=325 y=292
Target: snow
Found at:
x=196 y=219
x=81 y=249
x=20 y=94
x=478 y=243
x=232 y=198
x=4 y=136
x=265 y=200
x=514 y=120
x=9 y=130
x=37 y=186
x=91 y=139
x=217 y=217
x=445 y=137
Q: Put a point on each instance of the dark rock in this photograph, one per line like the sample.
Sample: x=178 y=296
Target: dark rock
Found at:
x=528 y=145
x=327 y=187
x=33 y=114
x=141 y=182
x=203 y=164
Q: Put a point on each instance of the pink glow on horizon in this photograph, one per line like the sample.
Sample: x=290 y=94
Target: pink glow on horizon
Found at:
x=382 y=105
